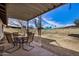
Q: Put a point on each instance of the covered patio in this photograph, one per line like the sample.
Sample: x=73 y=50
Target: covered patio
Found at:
x=26 y=42
x=25 y=12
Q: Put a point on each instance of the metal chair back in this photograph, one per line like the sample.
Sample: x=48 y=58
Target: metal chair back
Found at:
x=30 y=37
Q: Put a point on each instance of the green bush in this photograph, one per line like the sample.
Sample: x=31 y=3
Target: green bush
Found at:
x=76 y=22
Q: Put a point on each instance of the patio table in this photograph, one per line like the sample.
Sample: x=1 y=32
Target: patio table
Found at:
x=21 y=39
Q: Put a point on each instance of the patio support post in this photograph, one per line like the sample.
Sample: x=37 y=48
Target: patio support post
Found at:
x=39 y=30
x=27 y=27
x=39 y=26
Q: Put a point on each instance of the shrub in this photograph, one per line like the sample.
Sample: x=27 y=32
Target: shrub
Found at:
x=76 y=22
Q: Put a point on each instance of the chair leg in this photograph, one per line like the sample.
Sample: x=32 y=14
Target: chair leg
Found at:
x=31 y=47
x=14 y=48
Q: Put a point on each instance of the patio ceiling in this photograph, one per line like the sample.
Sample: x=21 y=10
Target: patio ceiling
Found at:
x=27 y=11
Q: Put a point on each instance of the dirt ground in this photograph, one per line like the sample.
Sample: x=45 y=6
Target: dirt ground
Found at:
x=62 y=38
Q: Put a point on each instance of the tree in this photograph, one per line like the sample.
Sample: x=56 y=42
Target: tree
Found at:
x=76 y=22
x=23 y=27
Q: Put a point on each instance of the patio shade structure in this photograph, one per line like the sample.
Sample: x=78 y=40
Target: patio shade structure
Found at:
x=25 y=11
x=28 y=11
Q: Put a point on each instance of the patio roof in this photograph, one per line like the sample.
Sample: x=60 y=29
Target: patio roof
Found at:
x=27 y=11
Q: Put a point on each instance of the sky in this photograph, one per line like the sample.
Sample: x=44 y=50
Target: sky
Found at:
x=62 y=16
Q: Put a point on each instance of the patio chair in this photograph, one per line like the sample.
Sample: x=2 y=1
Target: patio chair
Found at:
x=28 y=41
x=11 y=40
